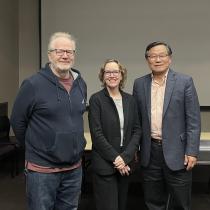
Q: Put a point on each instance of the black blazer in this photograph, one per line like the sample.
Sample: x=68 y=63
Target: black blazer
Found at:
x=105 y=131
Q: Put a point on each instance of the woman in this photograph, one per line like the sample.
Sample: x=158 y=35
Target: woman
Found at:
x=115 y=133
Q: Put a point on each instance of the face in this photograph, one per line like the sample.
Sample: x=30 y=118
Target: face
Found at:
x=159 y=60
x=112 y=75
x=62 y=55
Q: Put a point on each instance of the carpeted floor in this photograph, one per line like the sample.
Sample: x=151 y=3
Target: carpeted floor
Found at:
x=12 y=191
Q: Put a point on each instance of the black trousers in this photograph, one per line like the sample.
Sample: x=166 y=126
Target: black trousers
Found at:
x=159 y=182
x=110 y=191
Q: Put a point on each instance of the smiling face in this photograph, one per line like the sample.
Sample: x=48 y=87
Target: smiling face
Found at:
x=112 y=75
x=61 y=55
x=159 y=60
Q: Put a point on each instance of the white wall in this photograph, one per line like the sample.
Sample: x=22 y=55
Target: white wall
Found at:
x=205 y=121
x=122 y=29
x=19 y=44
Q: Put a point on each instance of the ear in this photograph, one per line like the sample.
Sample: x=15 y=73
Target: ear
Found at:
x=170 y=59
x=49 y=56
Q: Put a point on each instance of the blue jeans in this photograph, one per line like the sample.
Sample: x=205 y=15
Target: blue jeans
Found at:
x=54 y=191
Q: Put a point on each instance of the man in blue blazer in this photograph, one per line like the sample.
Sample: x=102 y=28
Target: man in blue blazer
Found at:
x=170 y=117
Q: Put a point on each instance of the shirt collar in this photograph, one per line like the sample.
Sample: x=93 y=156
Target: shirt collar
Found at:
x=164 y=78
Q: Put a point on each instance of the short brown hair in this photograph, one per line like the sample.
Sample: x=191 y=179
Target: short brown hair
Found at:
x=121 y=68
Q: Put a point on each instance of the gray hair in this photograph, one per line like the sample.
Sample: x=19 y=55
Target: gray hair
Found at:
x=60 y=35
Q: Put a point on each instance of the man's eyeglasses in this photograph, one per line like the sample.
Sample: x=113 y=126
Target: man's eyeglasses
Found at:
x=113 y=73
x=155 y=57
x=61 y=52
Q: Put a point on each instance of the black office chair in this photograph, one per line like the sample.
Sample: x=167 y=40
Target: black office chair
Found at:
x=8 y=149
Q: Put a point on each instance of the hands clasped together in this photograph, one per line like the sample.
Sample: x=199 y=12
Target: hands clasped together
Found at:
x=120 y=165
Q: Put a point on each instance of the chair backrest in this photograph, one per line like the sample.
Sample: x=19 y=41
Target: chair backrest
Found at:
x=4 y=109
x=4 y=128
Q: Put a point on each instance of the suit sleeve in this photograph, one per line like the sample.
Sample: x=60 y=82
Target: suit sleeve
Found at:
x=22 y=110
x=100 y=143
x=193 y=121
x=136 y=99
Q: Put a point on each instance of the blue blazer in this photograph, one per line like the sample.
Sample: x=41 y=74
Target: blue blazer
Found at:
x=180 y=121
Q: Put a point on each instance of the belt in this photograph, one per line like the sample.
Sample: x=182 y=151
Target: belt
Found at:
x=157 y=141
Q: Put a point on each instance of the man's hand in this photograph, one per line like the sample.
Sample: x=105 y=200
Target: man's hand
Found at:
x=190 y=162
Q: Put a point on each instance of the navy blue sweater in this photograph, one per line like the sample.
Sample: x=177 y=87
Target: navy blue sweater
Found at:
x=48 y=120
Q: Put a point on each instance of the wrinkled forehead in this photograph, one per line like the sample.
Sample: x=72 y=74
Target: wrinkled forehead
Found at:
x=62 y=43
x=159 y=49
x=111 y=65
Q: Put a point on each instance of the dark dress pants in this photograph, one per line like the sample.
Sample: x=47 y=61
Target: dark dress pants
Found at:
x=110 y=191
x=159 y=182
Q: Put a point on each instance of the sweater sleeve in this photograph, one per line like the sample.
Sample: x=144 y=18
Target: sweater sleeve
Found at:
x=22 y=110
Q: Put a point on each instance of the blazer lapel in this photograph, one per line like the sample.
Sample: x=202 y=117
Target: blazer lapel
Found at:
x=147 y=91
x=169 y=89
x=126 y=105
